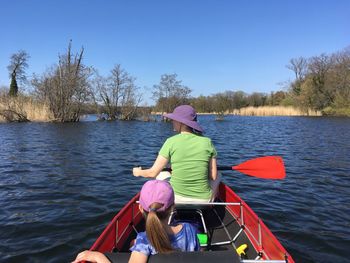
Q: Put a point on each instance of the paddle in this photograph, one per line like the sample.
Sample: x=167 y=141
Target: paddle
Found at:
x=267 y=167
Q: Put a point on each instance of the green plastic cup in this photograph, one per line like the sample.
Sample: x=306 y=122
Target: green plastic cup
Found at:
x=203 y=239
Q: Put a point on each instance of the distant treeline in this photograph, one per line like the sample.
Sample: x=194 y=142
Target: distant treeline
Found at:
x=70 y=88
x=322 y=83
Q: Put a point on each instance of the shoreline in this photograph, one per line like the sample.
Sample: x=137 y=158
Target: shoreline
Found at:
x=35 y=112
x=263 y=111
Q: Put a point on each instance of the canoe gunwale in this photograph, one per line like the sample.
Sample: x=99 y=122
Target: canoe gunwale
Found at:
x=111 y=232
x=226 y=194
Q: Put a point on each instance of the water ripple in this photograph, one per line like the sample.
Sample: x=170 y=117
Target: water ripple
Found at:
x=60 y=184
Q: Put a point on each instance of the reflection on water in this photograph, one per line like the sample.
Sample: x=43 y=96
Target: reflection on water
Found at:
x=60 y=184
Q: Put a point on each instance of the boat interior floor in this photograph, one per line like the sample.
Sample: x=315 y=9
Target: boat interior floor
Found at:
x=224 y=236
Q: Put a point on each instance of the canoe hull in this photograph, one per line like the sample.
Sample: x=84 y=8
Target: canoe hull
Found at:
x=229 y=226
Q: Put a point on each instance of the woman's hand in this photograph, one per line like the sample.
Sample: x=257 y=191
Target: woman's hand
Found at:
x=92 y=256
x=152 y=172
x=137 y=171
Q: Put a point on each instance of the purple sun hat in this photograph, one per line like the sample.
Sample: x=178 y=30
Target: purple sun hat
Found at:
x=186 y=115
x=156 y=191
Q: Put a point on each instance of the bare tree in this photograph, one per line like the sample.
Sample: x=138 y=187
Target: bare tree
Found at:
x=130 y=101
x=319 y=65
x=118 y=84
x=170 y=93
x=339 y=79
x=326 y=84
x=65 y=86
x=298 y=66
x=221 y=103
x=118 y=94
x=257 y=99
x=239 y=100
x=202 y=104
x=16 y=68
x=319 y=68
x=101 y=95
x=97 y=83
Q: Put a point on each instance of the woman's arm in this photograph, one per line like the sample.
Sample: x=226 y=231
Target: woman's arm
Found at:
x=152 y=172
x=213 y=170
x=92 y=256
x=137 y=257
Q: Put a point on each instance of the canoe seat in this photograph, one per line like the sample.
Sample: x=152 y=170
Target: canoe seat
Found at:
x=198 y=209
x=178 y=257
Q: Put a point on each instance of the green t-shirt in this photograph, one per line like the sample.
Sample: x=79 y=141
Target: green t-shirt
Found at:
x=189 y=155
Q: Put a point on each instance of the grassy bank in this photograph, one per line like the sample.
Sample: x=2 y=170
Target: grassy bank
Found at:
x=24 y=108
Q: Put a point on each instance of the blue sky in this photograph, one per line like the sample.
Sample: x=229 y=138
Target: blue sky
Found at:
x=213 y=46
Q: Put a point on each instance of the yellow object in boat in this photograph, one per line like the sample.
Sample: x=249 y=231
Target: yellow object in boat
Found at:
x=241 y=249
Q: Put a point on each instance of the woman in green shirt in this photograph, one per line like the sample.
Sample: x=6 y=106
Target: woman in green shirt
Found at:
x=192 y=157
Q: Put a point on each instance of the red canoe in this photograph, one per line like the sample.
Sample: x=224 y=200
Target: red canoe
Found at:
x=231 y=232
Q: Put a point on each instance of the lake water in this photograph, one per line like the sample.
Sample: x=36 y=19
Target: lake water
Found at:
x=60 y=184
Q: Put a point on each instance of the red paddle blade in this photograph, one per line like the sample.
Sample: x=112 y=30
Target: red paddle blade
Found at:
x=268 y=167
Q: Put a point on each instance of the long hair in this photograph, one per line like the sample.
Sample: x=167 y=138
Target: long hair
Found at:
x=155 y=229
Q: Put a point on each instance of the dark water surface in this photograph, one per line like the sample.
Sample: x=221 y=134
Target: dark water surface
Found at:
x=60 y=184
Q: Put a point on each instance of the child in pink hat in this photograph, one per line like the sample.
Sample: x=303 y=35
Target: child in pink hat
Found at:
x=194 y=176
x=156 y=204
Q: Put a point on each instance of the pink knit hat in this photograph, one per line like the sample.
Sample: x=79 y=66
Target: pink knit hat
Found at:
x=156 y=191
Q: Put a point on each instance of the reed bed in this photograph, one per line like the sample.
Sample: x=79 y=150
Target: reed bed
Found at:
x=275 y=111
x=27 y=107
x=37 y=111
